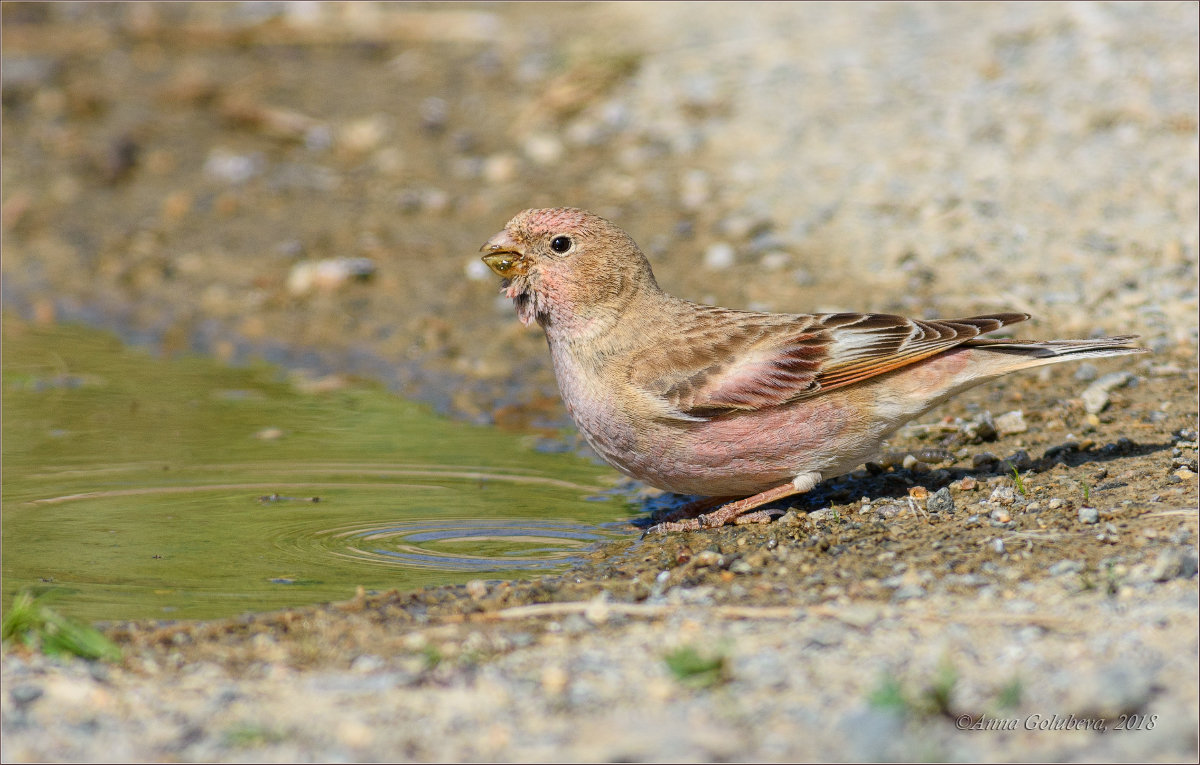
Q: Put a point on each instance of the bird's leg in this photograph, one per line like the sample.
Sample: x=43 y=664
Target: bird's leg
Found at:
x=735 y=511
x=691 y=509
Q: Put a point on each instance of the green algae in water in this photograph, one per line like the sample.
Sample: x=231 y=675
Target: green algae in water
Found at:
x=138 y=487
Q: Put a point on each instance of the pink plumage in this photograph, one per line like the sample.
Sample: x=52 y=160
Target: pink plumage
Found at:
x=705 y=400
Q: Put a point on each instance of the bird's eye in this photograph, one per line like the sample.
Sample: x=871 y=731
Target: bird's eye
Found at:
x=561 y=244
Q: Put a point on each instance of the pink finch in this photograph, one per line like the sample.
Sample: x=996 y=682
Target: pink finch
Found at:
x=698 y=399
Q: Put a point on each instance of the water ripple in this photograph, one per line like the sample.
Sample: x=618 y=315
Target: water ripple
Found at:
x=494 y=545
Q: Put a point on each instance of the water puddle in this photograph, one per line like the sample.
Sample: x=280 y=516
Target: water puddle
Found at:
x=136 y=487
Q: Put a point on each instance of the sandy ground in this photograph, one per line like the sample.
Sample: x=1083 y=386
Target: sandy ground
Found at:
x=180 y=173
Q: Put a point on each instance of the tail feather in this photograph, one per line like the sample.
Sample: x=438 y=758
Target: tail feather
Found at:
x=1038 y=353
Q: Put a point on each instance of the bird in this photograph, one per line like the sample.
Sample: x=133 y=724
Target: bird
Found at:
x=742 y=408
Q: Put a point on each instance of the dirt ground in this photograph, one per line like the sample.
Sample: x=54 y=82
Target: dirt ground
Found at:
x=309 y=183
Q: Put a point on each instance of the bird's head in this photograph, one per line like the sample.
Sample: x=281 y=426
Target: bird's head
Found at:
x=567 y=267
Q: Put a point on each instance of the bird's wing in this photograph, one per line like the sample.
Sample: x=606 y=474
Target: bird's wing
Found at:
x=724 y=361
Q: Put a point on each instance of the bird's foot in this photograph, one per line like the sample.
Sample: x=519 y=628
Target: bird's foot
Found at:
x=743 y=510
x=690 y=510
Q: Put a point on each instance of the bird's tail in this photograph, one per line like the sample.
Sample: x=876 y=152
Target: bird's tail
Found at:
x=1036 y=354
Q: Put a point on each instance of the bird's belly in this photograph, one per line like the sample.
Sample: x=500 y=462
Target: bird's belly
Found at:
x=749 y=452
x=736 y=455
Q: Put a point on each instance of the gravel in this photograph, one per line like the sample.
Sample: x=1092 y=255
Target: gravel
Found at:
x=926 y=159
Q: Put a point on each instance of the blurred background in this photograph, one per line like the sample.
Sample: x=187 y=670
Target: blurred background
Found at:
x=309 y=182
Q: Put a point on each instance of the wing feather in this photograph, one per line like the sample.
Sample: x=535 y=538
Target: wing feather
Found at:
x=721 y=361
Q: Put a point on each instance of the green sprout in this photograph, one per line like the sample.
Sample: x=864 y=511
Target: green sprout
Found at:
x=30 y=623
x=692 y=668
x=1010 y=694
x=1018 y=481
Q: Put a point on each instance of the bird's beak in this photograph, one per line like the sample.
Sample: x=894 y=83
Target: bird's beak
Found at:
x=504 y=256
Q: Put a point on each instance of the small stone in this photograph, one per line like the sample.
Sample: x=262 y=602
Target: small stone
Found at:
x=968 y=483
x=477 y=589
x=1095 y=396
x=910 y=462
x=366 y=664
x=984 y=461
x=500 y=168
x=477 y=271
x=233 y=169
x=1183 y=474
x=1086 y=372
x=597 y=610
x=741 y=567
x=434 y=113
x=1064 y=567
x=24 y=695
x=940 y=501
x=695 y=190
x=981 y=428
x=708 y=558
x=1054 y=503
x=1003 y=495
x=793 y=518
x=908 y=592
x=363 y=135
x=1001 y=515
x=1174 y=562
x=1011 y=423
x=919 y=493
x=889 y=510
x=327 y=275
x=998 y=546
x=719 y=256
x=1089 y=515
x=1019 y=459
x=544 y=149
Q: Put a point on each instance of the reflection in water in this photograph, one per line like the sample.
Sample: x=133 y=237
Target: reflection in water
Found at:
x=140 y=493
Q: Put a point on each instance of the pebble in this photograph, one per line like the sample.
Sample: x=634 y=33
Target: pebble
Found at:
x=1019 y=460
x=232 y=168
x=1089 y=515
x=1001 y=515
x=694 y=189
x=477 y=271
x=1086 y=372
x=433 y=113
x=981 y=428
x=543 y=149
x=708 y=558
x=1065 y=567
x=1095 y=396
x=362 y=135
x=500 y=168
x=328 y=275
x=1054 y=503
x=25 y=694
x=1174 y=562
x=719 y=256
x=1003 y=495
x=984 y=461
x=940 y=501
x=741 y=567
x=1011 y=423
